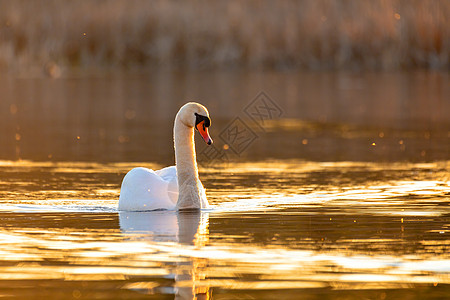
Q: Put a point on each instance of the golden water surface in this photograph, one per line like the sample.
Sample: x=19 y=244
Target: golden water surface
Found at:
x=340 y=190
x=276 y=229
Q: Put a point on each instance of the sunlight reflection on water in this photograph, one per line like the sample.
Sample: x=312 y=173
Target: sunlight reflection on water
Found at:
x=273 y=225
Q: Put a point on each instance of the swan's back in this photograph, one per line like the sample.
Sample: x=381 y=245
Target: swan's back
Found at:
x=144 y=189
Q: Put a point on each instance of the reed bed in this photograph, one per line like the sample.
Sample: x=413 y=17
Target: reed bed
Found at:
x=320 y=34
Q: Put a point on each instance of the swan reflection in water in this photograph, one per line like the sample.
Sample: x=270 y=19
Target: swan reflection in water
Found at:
x=183 y=227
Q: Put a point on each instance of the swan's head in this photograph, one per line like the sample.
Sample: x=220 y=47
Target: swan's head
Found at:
x=196 y=115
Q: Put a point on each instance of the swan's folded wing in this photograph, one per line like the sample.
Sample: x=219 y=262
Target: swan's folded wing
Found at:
x=142 y=189
x=169 y=174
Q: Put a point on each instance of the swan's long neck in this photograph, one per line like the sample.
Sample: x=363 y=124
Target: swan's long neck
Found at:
x=186 y=164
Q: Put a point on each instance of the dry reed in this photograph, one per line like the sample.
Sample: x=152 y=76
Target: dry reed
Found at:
x=321 y=34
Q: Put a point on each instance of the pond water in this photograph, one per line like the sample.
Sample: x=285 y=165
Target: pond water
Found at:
x=342 y=193
x=274 y=229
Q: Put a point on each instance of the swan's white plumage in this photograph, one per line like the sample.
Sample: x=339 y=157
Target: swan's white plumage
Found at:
x=145 y=189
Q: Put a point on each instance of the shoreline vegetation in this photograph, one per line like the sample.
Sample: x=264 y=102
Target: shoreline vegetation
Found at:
x=55 y=36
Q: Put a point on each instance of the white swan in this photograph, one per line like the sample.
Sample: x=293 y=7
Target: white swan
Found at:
x=177 y=187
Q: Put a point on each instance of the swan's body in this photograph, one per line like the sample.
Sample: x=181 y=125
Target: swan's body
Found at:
x=176 y=187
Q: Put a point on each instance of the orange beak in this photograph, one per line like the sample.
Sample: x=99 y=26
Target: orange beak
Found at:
x=204 y=132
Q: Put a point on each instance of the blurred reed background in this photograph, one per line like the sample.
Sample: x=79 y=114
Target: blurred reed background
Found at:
x=103 y=79
x=57 y=36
